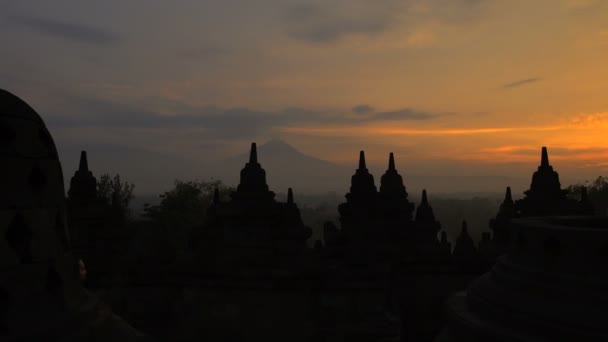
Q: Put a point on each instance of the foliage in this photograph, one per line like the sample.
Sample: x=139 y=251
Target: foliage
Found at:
x=184 y=208
x=114 y=190
x=597 y=192
x=187 y=201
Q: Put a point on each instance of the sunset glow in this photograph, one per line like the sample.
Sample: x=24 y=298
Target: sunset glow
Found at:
x=488 y=82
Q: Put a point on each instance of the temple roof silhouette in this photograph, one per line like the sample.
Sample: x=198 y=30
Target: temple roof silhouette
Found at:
x=12 y=106
x=252 y=183
x=464 y=246
x=545 y=181
x=549 y=286
x=362 y=182
x=545 y=196
x=83 y=185
x=391 y=182
x=424 y=212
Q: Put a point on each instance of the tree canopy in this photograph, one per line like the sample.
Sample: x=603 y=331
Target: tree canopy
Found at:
x=597 y=192
x=184 y=208
x=114 y=190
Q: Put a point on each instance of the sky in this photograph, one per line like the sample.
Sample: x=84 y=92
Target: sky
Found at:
x=450 y=86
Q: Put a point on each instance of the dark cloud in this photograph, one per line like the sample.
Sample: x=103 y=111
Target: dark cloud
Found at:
x=521 y=82
x=67 y=30
x=362 y=109
x=213 y=122
x=325 y=23
x=404 y=114
x=217 y=123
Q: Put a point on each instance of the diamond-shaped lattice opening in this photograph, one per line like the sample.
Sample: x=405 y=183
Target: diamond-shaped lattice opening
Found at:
x=19 y=238
x=37 y=179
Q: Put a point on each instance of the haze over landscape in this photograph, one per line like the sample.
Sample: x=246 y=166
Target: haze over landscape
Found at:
x=464 y=92
x=304 y=170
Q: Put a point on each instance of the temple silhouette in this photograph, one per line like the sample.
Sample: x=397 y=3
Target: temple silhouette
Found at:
x=387 y=272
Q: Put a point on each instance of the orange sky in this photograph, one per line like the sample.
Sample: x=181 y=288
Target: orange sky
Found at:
x=482 y=81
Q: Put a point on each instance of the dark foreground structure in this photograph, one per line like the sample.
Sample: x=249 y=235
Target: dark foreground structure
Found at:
x=387 y=273
x=550 y=286
x=41 y=298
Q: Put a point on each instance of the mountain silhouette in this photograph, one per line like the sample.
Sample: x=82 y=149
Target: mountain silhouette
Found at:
x=288 y=167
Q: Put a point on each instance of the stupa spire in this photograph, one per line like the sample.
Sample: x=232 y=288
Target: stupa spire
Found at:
x=391 y=162
x=289 y=196
x=362 y=160
x=544 y=162
x=424 y=212
x=84 y=163
x=253 y=155
x=83 y=185
x=508 y=196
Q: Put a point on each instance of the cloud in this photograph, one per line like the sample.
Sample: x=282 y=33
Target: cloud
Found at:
x=67 y=30
x=520 y=83
x=214 y=122
x=404 y=114
x=331 y=22
x=362 y=109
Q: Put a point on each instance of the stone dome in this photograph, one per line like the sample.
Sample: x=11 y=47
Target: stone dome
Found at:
x=36 y=269
x=40 y=293
x=11 y=105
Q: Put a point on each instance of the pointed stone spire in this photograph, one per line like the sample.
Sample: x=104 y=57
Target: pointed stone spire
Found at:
x=465 y=246
x=253 y=184
x=362 y=182
x=83 y=185
x=508 y=196
x=544 y=162
x=289 y=196
x=84 y=163
x=253 y=155
x=507 y=207
x=216 y=196
x=545 y=196
x=391 y=162
x=362 y=165
x=424 y=212
x=392 y=188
